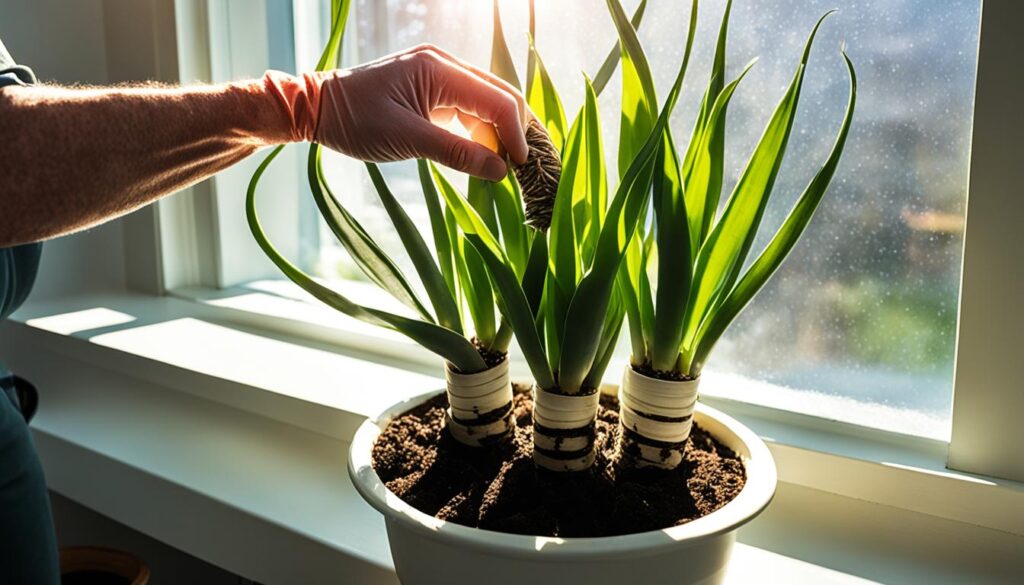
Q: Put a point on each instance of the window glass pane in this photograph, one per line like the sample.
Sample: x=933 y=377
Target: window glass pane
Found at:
x=859 y=324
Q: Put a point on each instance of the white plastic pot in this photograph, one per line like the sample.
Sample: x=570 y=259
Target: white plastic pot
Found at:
x=428 y=551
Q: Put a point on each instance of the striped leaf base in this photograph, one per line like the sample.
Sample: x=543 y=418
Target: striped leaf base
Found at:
x=563 y=429
x=655 y=417
x=480 y=405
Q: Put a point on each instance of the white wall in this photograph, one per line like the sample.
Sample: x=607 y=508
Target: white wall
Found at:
x=64 y=42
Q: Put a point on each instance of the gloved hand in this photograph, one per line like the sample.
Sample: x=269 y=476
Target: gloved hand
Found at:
x=390 y=109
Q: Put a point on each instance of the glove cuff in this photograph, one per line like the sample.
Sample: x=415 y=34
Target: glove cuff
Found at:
x=299 y=98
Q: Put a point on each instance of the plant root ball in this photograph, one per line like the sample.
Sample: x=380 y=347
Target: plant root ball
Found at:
x=538 y=176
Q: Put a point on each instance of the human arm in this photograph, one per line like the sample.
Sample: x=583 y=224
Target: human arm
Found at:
x=74 y=157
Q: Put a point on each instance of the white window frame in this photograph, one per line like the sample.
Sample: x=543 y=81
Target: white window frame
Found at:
x=989 y=384
x=989 y=381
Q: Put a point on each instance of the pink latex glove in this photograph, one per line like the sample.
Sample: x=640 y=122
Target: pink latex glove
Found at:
x=390 y=109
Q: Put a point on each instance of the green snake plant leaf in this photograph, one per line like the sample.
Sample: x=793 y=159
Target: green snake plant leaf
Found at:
x=515 y=235
x=556 y=305
x=501 y=59
x=564 y=268
x=627 y=291
x=694 y=191
x=638 y=299
x=722 y=256
x=439 y=230
x=606 y=349
x=604 y=74
x=536 y=273
x=573 y=236
x=331 y=56
x=377 y=266
x=645 y=296
x=462 y=279
x=542 y=97
x=589 y=306
x=639 y=100
x=674 y=263
x=531 y=58
x=480 y=196
x=441 y=297
x=781 y=244
x=371 y=259
x=515 y=303
x=638 y=106
x=607 y=69
x=705 y=163
x=590 y=181
x=504 y=194
x=443 y=341
x=375 y=263
x=702 y=200
x=482 y=311
x=573 y=187
x=517 y=310
x=503 y=337
x=476 y=285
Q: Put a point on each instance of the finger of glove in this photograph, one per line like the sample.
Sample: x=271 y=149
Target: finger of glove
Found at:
x=430 y=141
x=481 y=132
x=524 y=111
x=443 y=116
x=468 y=92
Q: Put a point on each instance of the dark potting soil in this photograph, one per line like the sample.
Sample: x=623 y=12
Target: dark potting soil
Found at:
x=500 y=488
x=491 y=357
x=649 y=371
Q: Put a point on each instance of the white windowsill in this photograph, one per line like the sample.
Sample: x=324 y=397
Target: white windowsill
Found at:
x=281 y=306
x=865 y=463
x=161 y=393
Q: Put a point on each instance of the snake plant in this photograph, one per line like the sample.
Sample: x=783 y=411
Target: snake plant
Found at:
x=565 y=291
x=567 y=319
x=453 y=273
x=701 y=284
x=601 y=250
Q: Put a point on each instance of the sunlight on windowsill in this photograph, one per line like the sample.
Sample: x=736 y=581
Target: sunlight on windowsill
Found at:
x=828 y=406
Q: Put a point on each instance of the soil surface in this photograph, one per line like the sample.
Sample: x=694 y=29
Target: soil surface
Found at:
x=491 y=357
x=649 y=371
x=500 y=488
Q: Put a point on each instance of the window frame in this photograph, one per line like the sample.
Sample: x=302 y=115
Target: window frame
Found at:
x=987 y=381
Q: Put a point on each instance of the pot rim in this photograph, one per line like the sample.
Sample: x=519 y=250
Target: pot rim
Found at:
x=756 y=494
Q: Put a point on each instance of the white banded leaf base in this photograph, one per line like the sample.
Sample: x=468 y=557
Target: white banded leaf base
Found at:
x=563 y=429
x=480 y=405
x=655 y=417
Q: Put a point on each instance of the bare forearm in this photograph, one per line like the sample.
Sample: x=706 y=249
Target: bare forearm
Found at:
x=72 y=158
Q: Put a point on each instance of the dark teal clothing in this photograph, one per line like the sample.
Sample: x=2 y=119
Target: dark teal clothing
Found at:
x=17 y=273
x=28 y=545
